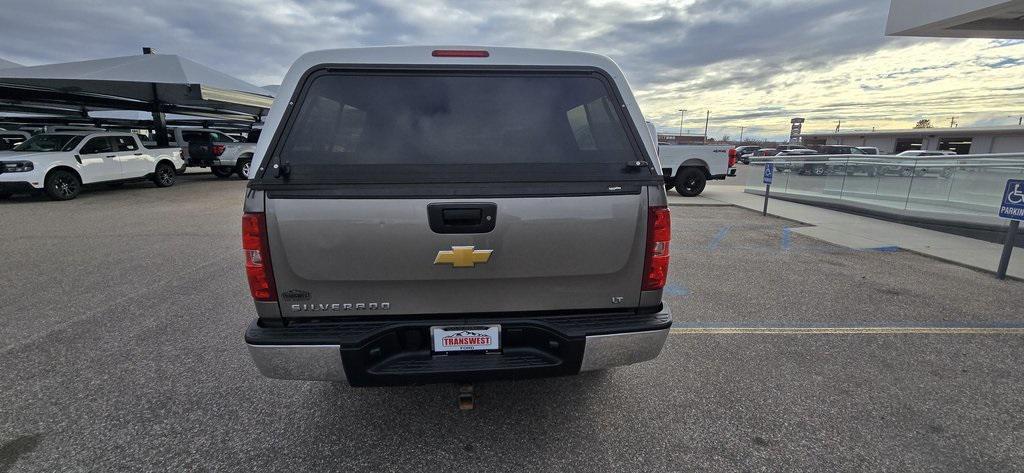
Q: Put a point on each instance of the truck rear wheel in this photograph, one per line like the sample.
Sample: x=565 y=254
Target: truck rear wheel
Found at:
x=690 y=182
x=242 y=169
x=222 y=172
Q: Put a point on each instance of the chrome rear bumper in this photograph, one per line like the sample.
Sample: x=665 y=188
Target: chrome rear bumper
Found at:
x=303 y=362
x=620 y=349
x=323 y=362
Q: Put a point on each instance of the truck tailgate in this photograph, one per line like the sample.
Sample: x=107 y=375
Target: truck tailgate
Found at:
x=380 y=256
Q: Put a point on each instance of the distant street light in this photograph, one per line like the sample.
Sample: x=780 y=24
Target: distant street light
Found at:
x=706 y=121
x=682 y=113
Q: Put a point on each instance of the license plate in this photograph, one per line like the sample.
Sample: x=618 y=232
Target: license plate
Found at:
x=466 y=338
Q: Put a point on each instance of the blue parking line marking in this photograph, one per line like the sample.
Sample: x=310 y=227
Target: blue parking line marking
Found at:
x=676 y=290
x=787 y=239
x=719 y=237
x=885 y=249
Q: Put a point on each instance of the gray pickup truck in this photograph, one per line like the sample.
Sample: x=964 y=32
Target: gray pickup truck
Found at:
x=204 y=147
x=420 y=215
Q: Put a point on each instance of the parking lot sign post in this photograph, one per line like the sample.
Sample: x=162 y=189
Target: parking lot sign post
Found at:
x=769 y=173
x=1012 y=208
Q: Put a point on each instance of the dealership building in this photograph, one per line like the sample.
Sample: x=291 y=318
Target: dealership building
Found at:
x=1004 y=139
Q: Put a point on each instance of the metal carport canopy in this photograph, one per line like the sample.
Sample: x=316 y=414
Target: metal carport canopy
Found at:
x=5 y=64
x=157 y=83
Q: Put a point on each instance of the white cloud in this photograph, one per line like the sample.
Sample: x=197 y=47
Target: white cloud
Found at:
x=754 y=63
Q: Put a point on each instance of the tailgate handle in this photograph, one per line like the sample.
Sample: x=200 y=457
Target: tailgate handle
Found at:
x=462 y=218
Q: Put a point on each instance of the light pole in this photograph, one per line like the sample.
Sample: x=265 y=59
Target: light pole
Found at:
x=682 y=114
x=741 y=133
x=706 y=121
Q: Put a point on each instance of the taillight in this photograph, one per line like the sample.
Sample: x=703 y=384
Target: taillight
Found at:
x=257 y=257
x=659 y=234
x=732 y=157
x=218 y=150
x=460 y=53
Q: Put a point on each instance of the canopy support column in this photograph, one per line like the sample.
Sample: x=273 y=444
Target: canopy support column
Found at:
x=160 y=126
x=159 y=122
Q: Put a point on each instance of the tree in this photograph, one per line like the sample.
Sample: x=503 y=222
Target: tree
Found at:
x=726 y=138
x=926 y=123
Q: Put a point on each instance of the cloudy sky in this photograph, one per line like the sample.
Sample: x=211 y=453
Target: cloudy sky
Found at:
x=753 y=63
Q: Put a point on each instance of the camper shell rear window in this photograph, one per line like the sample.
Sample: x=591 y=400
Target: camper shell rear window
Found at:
x=451 y=126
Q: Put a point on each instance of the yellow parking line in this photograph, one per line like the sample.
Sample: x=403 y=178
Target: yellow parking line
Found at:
x=850 y=330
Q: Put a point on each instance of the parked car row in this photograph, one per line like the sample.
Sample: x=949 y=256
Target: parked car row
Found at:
x=214 y=149
x=805 y=162
x=60 y=164
x=825 y=162
x=11 y=138
x=60 y=160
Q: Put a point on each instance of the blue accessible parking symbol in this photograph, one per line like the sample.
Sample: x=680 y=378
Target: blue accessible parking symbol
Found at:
x=1013 y=200
x=769 y=172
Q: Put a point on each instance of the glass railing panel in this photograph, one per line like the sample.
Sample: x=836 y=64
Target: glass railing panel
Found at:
x=780 y=183
x=805 y=175
x=837 y=168
x=965 y=188
x=755 y=174
x=895 y=176
x=863 y=175
x=973 y=186
x=931 y=184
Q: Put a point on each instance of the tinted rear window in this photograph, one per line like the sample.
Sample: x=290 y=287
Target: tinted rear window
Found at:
x=376 y=126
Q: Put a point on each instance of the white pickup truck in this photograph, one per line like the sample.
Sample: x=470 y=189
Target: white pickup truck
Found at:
x=59 y=164
x=224 y=155
x=689 y=167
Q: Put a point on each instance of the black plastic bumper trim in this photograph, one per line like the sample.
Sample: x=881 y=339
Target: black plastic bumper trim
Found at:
x=356 y=331
x=16 y=187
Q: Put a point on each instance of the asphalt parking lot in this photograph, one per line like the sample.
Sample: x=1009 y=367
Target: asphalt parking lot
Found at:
x=121 y=349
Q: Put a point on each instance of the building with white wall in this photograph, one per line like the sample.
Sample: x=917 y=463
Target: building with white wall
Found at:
x=945 y=19
x=964 y=140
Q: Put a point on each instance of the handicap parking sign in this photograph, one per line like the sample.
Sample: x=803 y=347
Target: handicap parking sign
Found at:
x=1013 y=200
x=769 y=171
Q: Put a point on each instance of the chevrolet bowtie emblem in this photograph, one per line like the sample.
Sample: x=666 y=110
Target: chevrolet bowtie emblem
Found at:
x=463 y=256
